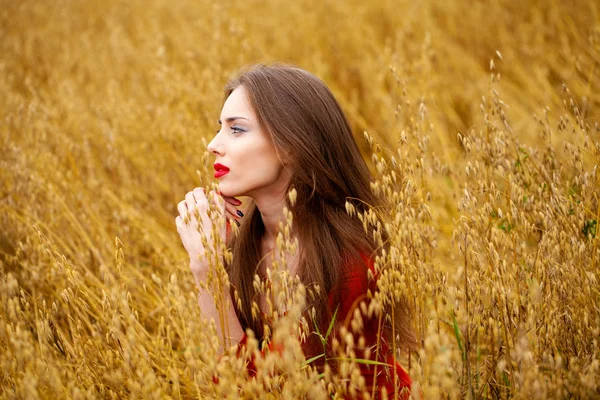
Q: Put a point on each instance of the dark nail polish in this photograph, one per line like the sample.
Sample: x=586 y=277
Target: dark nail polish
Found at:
x=238 y=224
x=241 y=214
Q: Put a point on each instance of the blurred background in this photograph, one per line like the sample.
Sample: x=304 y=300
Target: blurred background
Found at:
x=104 y=111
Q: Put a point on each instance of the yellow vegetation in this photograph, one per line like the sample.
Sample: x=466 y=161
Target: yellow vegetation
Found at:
x=481 y=121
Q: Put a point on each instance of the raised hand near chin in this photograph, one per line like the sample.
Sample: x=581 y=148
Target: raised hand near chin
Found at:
x=231 y=204
x=196 y=221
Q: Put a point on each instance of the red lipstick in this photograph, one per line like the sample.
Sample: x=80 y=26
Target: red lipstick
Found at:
x=220 y=170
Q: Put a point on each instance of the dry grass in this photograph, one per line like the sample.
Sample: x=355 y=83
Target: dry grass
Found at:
x=486 y=118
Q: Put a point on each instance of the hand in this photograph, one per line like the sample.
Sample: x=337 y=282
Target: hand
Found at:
x=231 y=204
x=194 y=222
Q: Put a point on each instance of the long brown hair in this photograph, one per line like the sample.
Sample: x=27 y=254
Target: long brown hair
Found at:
x=306 y=125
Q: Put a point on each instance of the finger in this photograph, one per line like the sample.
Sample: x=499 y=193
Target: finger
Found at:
x=182 y=208
x=232 y=221
x=232 y=211
x=199 y=194
x=184 y=215
x=189 y=199
x=196 y=202
x=179 y=222
x=232 y=200
x=217 y=199
x=190 y=205
x=231 y=215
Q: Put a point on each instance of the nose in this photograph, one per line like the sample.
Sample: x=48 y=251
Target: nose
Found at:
x=214 y=146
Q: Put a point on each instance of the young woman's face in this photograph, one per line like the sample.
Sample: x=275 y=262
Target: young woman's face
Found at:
x=246 y=164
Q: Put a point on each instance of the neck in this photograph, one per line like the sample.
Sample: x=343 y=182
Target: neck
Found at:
x=271 y=212
x=271 y=205
x=270 y=202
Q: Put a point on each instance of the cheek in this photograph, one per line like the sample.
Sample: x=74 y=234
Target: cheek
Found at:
x=255 y=163
x=260 y=170
x=260 y=157
x=270 y=164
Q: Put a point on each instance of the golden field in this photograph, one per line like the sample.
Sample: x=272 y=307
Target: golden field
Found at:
x=481 y=123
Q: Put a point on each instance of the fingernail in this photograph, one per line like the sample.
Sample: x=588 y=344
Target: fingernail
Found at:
x=241 y=214
x=238 y=224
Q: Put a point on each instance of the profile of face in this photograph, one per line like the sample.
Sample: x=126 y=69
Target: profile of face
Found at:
x=246 y=163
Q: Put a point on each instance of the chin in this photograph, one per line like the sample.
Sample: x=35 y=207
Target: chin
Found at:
x=229 y=192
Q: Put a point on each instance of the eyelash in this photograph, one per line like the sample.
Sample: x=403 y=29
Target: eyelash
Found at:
x=235 y=129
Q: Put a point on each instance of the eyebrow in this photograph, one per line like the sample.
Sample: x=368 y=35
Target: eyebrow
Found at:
x=231 y=119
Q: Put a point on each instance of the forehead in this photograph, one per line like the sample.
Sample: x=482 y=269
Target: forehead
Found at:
x=237 y=104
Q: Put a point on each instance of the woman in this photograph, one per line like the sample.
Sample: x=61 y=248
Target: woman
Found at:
x=281 y=128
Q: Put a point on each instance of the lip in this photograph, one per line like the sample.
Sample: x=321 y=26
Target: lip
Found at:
x=220 y=170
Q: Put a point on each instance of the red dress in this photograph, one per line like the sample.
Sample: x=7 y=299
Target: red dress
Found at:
x=351 y=290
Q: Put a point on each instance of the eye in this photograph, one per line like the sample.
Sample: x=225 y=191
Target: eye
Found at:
x=236 y=130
